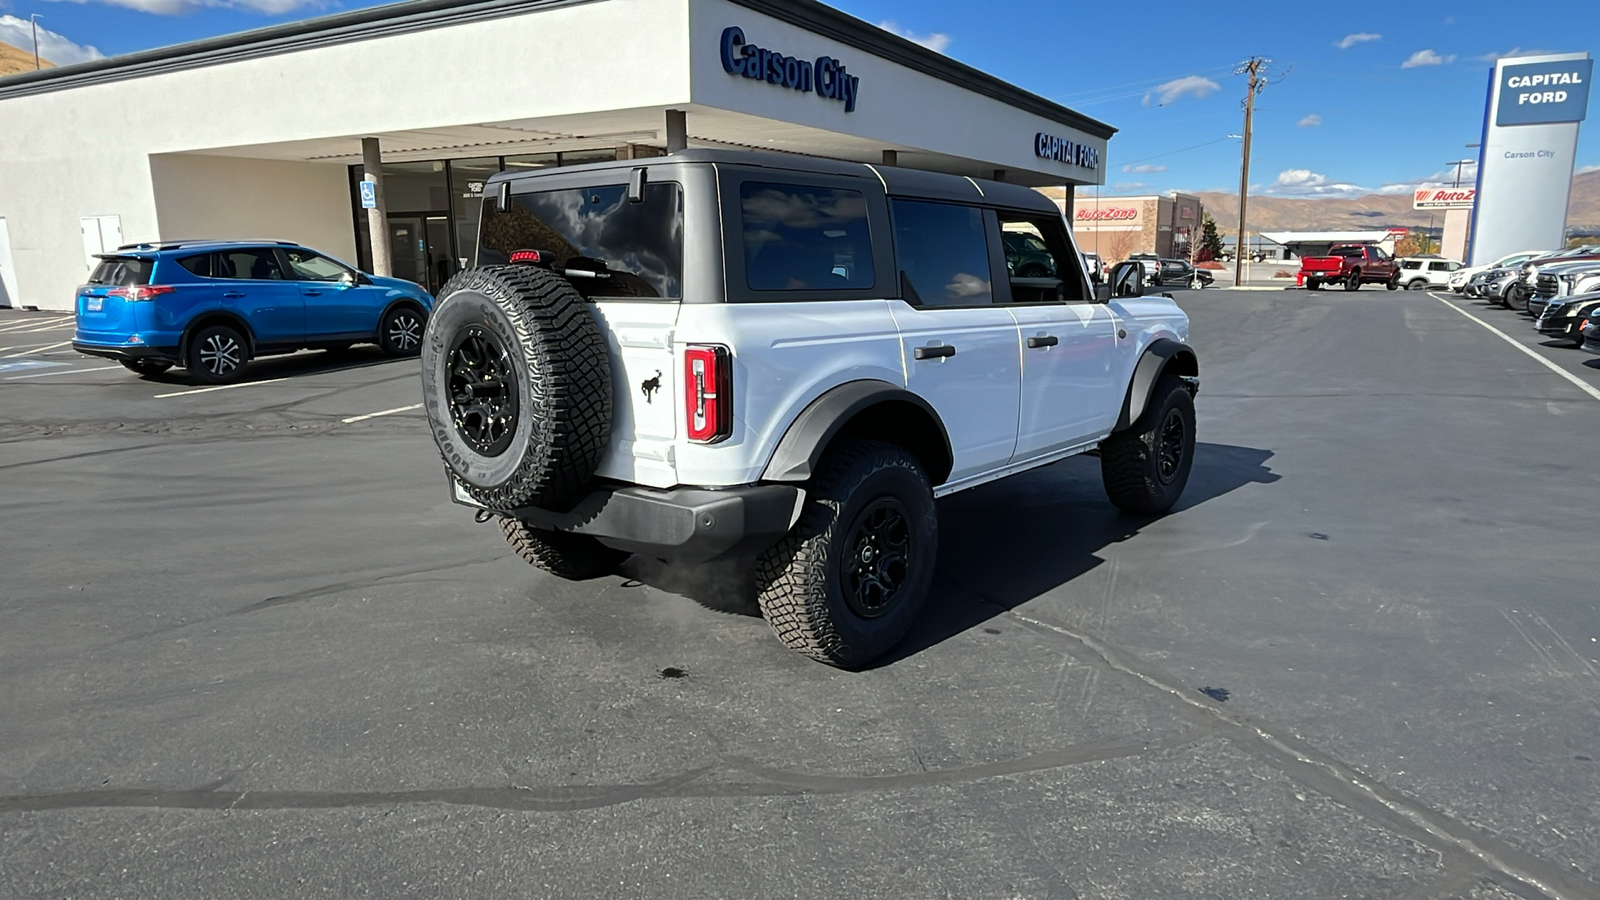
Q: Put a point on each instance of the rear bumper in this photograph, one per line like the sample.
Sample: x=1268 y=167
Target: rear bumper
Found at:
x=679 y=525
x=121 y=351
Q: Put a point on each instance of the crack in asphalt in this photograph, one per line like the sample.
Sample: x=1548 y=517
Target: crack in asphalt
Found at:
x=769 y=781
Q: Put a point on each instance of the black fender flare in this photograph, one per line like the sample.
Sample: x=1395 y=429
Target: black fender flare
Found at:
x=801 y=447
x=1152 y=363
x=216 y=317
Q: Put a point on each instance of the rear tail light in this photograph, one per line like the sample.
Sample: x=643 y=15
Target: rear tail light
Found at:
x=141 y=292
x=527 y=257
x=708 y=392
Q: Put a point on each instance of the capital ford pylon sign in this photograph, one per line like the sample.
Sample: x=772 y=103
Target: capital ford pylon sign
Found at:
x=1525 y=166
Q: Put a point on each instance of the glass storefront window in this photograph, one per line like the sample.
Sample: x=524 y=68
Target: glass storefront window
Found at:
x=529 y=161
x=466 y=194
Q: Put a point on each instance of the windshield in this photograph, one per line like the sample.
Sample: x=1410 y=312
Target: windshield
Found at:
x=636 y=248
x=122 y=271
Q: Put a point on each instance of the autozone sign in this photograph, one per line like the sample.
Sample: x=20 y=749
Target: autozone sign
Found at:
x=1108 y=214
x=1443 y=198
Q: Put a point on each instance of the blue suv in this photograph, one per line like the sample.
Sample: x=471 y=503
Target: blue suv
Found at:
x=212 y=306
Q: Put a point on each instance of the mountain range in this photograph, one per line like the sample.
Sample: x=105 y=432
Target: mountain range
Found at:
x=15 y=59
x=1370 y=212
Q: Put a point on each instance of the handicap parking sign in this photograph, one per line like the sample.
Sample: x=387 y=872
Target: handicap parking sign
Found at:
x=369 y=195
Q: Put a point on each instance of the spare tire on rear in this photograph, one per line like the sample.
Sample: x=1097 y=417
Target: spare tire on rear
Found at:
x=516 y=381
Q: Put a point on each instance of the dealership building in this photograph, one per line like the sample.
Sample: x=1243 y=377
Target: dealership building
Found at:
x=1117 y=227
x=270 y=134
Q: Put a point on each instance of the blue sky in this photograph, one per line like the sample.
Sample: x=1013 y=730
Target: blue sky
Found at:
x=1365 y=97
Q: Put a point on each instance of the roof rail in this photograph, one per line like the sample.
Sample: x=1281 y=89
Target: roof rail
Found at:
x=173 y=245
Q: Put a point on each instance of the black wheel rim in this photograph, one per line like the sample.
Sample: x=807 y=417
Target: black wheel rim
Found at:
x=1169 y=446
x=878 y=558
x=405 y=332
x=220 y=354
x=483 y=392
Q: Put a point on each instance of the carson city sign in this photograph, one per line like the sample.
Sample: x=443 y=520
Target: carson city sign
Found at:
x=826 y=77
x=1443 y=198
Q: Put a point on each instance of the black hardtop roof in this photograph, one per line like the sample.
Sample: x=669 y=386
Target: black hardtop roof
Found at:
x=897 y=181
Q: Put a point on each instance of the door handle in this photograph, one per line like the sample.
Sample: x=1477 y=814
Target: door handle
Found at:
x=310 y=293
x=933 y=352
x=233 y=294
x=1043 y=340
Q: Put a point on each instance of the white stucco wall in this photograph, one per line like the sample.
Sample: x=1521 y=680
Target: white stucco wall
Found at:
x=88 y=150
x=226 y=198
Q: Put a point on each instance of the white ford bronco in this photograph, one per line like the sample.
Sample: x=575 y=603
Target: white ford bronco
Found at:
x=718 y=353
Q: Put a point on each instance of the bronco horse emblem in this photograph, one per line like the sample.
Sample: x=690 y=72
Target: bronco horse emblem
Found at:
x=650 y=386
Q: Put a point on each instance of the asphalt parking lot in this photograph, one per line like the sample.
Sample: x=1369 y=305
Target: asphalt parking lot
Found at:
x=251 y=650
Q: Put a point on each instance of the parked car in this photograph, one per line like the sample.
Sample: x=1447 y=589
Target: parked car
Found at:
x=1351 y=265
x=1181 y=272
x=841 y=354
x=1026 y=255
x=1590 y=329
x=212 y=306
x=1421 y=273
x=1152 y=267
x=1460 y=277
x=1517 y=294
x=1563 y=316
x=1565 y=280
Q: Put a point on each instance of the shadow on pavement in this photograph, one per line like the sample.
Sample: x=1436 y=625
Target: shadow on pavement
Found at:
x=308 y=362
x=1000 y=545
x=1005 y=544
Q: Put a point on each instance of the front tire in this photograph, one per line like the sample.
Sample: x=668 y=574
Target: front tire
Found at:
x=400 y=333
x=1145 y=468
x=216 y=355
x=574 y=557
x=145 y=368
x=847 y=582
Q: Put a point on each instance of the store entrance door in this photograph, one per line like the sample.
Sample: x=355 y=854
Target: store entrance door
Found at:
x=419 y=248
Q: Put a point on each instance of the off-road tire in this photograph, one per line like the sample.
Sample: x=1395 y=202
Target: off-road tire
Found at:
x=1131 y=463
x=1353 y=282
x=1393 y=283
x=563 y=554
x=558 y=381
x=216 y=354
x=145 y=367
x=802 y=582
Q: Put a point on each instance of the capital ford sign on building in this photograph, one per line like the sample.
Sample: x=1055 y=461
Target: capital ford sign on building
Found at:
x=1047 y=146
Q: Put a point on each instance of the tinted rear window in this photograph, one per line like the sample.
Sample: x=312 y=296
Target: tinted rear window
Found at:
x=801 y=238
x=122 y=271
x=637 y=246
x=197 y=265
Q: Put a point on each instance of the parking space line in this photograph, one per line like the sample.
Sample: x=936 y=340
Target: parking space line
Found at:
x=386 y=412
x=218 y=387
x=36 y=350
x=67 y=372
x=1582 y=385
x=16 y=327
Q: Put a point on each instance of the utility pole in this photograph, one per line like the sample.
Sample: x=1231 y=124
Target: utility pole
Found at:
x=1251 y=67
x=35 y=20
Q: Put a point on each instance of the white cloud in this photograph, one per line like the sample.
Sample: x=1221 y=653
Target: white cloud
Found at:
x=1360 y=37
x=1310 y=121
x=936 y=41
x=1306 y=183
x=1145 y=169
x=1129 y=185
x=1178 y=88
x=1514 y=51
x=1426 y=58
x=53 y=47
x=181 y=7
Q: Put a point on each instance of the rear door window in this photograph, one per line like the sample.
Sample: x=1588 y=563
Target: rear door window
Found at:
x=943 y=253
x=198 y=264
x=633 y=249
x=805 y=238
x=1411 y=264
x=258 y=264
x=122 y=271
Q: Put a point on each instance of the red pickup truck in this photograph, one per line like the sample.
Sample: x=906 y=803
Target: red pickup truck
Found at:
x=1351 y=265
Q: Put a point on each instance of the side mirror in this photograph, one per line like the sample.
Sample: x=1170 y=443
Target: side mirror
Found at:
x=1127 y=280
x=349 y=279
